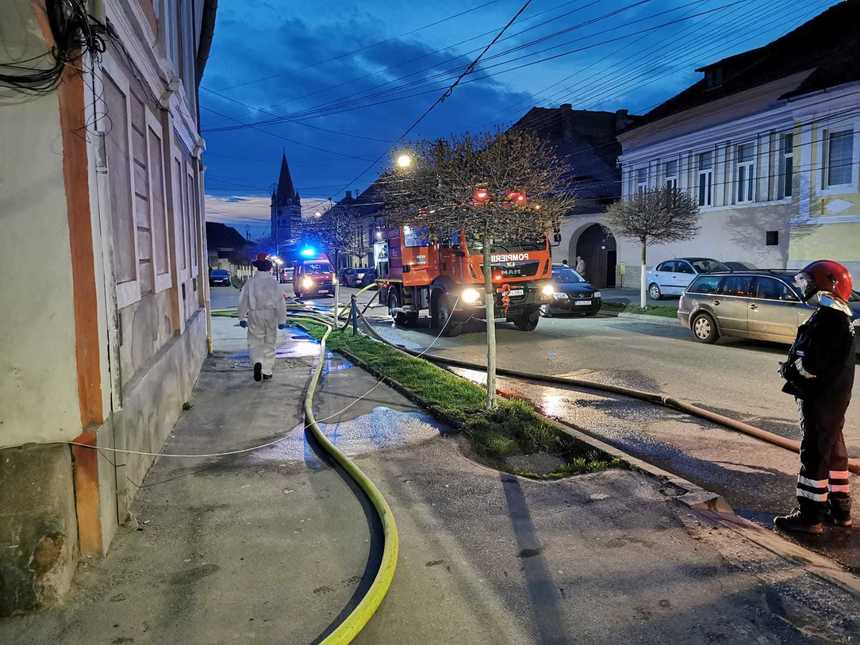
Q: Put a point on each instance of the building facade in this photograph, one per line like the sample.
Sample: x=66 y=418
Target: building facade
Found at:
x=588 y=141
x=366 y=220
x=286 y=212
x=768 y=144
x=104 y=264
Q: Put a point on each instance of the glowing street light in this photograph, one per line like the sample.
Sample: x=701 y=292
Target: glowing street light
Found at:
x=404 y=160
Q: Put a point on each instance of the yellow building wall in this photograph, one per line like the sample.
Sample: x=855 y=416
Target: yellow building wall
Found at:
x=825 y=234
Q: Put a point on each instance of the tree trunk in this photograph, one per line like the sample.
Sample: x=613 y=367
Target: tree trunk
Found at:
x=643 y=287
x=490 y=314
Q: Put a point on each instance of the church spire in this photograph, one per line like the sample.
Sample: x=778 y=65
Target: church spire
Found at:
x=285 y=192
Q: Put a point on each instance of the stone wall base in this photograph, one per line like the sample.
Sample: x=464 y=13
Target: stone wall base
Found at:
x=38 y=526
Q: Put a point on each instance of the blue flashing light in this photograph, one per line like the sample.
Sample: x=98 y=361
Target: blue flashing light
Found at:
x=308 y=252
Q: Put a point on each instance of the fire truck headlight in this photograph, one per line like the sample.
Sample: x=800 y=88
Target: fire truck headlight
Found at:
x=470 y=296
x=307 y=282
x=548 y=289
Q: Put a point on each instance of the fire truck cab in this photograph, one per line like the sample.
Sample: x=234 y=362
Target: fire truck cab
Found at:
x=445 y=278
x=313 y=276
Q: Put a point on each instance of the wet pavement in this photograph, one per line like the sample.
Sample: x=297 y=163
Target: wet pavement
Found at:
x=274 y=545
x=755 y=478
x=491 y=558
x=737 y=378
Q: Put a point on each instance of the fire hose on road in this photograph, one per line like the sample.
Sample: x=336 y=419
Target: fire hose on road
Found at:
x=347 y=630
x=654 y=398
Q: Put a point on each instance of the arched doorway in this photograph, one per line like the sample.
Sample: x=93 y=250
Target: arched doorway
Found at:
x=596 y=245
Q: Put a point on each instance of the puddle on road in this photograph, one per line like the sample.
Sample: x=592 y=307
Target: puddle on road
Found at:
x=381 y=428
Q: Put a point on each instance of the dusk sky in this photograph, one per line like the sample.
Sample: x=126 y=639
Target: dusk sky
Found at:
x=347 y=78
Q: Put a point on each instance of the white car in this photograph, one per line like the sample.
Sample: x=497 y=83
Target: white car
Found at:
x=671 y=277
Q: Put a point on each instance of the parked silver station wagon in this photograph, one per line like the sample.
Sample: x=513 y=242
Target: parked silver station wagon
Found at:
x=750 y=304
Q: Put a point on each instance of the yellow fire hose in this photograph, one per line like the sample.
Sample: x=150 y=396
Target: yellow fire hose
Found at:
x=366 y=608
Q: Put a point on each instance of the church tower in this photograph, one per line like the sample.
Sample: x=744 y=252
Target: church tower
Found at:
x=286 y=211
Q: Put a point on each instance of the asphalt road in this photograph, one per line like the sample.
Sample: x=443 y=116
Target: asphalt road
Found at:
x=734 y=377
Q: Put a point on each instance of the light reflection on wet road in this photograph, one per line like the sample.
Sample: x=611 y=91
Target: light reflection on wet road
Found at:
x=355 y=431
x=757 y=479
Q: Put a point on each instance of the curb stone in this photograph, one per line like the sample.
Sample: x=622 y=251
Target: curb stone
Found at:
x=678 y=488
x=656 y=320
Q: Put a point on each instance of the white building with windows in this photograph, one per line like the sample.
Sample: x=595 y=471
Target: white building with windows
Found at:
x=103 y=257
x=768 y=142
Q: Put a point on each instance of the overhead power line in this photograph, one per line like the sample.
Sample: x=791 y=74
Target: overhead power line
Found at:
x=485 y=71
x=450 y=90
x=445 y=74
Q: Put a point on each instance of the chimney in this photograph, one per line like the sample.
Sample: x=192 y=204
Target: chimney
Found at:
x=566 y=114
x=621 y=119
x=348 y=196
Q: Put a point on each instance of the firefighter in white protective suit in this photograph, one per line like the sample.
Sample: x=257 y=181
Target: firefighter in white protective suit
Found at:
x=263 y=311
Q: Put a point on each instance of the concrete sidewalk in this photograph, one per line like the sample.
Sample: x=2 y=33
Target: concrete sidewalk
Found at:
x=263 y=546
x=273 y=545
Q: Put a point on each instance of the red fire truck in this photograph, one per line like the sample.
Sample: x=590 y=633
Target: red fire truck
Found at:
x=420 y=274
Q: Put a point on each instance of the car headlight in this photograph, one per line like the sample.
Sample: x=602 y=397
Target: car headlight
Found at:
x=559 y=295
x=548 y=289
x=360 y=276
x=470 y=296
x=596 y=294
x=307 y=282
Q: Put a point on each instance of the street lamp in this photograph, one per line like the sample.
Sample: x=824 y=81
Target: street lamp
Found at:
x=404 y=160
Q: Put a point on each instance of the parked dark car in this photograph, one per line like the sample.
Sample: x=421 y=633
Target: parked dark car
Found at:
x=763 y=305
x=219 y=278
x=573 y=294
x=358 y=276
x=740 y=266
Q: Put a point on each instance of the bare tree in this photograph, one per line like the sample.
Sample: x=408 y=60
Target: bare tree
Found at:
x=496 y=188
x=339 y=230
x=655 y=216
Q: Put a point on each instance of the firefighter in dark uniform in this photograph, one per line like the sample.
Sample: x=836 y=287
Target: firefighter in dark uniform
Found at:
x=819 y=372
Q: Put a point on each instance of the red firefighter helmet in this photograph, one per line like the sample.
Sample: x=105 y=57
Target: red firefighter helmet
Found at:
x=824 y=275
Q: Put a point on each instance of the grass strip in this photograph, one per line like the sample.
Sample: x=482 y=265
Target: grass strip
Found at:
x=514 y=429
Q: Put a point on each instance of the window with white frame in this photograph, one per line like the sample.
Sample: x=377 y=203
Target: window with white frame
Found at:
x=158 y=204
x=670 y=172
x=641 y=180
x=192 y=218
x=120 y=179
x=839 y=157
x=705 y=165
x=745 y=173
x=179 y=218
x=785 y=186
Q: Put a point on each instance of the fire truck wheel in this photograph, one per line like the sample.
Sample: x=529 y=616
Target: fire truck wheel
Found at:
x=527 y=320
x=399 y=317
x=444 y=310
